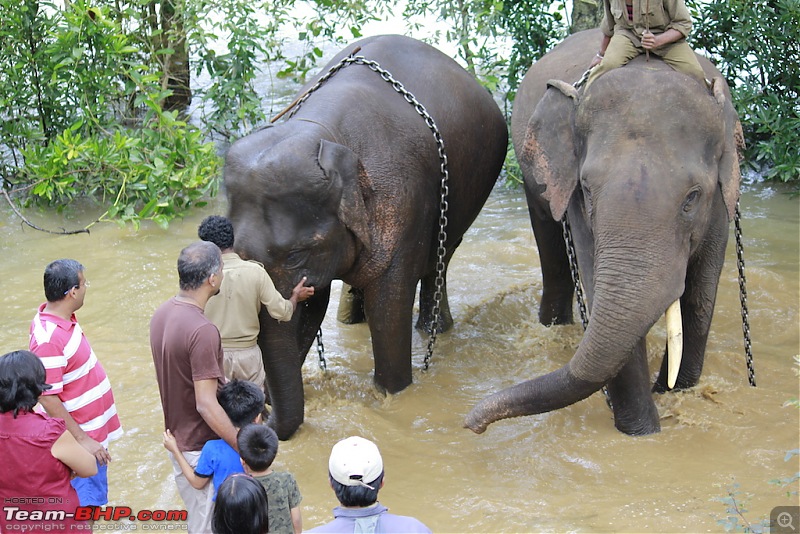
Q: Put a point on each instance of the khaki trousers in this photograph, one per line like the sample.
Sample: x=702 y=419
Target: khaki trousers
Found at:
x=198 y=503
x=244 y=364
x=621 y=50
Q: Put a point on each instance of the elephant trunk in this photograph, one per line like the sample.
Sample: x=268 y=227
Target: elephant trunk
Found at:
x=282 y=364
x=543 y=394
x=620 y=319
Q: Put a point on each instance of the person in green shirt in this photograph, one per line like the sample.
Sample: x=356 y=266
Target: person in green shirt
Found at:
x=631 y=27
x=244 y=289
x=258 y=446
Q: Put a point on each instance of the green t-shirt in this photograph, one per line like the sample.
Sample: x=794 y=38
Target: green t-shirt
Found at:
x=282 y=495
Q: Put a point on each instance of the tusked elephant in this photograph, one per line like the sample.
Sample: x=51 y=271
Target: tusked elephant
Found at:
x=349 y=188
x=645 y=162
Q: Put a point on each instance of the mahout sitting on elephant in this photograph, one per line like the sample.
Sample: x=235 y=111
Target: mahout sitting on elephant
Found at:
x=349 y=187
x=644 y=162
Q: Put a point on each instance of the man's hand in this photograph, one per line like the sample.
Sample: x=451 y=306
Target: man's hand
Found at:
x=54 y=408
x=99 y=452
x=649 y=40
x=301 y=292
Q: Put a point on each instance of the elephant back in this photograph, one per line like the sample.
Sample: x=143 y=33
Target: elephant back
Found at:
x=357 y=99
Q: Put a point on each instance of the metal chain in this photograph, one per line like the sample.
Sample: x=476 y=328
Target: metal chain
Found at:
x=441 y=250
x=751 y=372
x=576 y=279
x=323 y=365
x=573 y=269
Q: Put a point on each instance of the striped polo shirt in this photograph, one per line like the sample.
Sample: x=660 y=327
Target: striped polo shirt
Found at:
x=76 y=375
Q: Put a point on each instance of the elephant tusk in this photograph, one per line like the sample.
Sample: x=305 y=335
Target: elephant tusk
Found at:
x=674 y=342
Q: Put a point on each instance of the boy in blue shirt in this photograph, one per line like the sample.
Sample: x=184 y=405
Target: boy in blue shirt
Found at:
x=243 y=402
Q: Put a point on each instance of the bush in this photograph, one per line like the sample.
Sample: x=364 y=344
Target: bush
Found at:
x=756 y=46
x=83 y=118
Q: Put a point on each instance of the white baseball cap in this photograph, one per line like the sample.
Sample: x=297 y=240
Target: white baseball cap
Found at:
x=355 y=461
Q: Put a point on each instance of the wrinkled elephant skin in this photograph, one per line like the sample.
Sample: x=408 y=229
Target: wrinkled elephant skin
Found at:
x=645 y=164
x=348 y=188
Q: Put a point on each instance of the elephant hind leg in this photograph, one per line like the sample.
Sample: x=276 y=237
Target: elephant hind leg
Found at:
x=351 y=305
x=427 y=292
x=635 y=413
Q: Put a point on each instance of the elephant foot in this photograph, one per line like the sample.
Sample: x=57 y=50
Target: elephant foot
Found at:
x=660 y=386
x=395 y=385
x=445 y=323
x=688 y=377
x=639 y=428
x=638 y=418
x=552 y=312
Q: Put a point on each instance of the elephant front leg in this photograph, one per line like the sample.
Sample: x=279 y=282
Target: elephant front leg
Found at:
x=697 y=310
x=557 y=286
x=389 y=306
x=427 y=293
x=635 y=413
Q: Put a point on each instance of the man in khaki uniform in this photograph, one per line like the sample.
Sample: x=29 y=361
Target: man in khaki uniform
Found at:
x=245 y=287
x=628 y=30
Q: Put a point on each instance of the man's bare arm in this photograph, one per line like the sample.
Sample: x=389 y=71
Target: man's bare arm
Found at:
x=205 y=397
x=55 y=408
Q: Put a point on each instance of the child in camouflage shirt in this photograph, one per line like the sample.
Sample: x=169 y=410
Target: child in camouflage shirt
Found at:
x=258 y=446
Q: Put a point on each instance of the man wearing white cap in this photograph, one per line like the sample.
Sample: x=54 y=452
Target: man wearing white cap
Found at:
x=355 y=470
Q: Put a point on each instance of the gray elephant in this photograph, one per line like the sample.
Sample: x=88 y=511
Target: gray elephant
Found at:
x=349 y=188
x=645 y=162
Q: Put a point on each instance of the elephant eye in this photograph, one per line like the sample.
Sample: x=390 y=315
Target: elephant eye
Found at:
x=691 y=200
x=295 y=259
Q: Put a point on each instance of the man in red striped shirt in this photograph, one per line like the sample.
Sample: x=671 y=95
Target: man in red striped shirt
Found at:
x=81 y=393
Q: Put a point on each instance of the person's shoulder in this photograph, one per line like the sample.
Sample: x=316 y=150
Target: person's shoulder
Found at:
x=406 y=523
x=327 y=527
x=285 y=475
x=255 y=264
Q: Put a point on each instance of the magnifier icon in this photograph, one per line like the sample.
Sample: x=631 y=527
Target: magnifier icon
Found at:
x=785 y=520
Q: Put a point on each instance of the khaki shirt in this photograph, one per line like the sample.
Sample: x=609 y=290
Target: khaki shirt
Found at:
x=664 y=15
x=245 y=287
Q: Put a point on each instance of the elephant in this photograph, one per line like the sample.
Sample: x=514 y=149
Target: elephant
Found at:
x=645 y=163
x=349 y=187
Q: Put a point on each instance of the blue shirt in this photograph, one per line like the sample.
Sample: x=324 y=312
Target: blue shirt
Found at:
x=375 y=518
x=218 y=459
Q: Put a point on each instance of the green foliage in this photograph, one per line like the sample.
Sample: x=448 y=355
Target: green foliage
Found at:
x=84 y=86
x=250 y=32
x=86 y=118
x=534 y=27
x=756 y=45
x=497 y=41
x=329 y=21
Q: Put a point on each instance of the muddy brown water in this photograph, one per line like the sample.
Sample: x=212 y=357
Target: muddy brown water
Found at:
x=564 y=471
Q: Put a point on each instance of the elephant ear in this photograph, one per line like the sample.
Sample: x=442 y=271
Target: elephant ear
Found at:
x=340 y=165
x=729 y=172
x=549 y=154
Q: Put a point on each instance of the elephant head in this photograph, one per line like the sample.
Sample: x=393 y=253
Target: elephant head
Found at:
x=297 y=209
x=645 y=165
